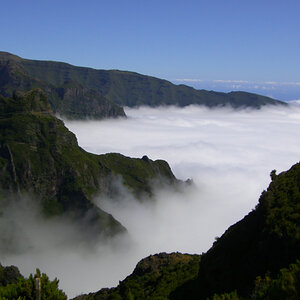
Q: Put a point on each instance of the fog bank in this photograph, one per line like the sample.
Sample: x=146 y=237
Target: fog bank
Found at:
x=228 y=154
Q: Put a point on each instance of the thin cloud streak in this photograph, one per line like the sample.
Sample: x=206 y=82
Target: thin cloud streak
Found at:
x=275 y=83
x=284 y=91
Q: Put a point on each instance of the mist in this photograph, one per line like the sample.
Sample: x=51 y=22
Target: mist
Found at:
x=228 y=153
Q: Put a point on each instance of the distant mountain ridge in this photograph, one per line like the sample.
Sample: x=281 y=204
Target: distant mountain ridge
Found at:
x=79 y=92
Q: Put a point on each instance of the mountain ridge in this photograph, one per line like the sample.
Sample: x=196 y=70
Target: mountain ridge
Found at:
x=109 y=89
x=39 y=156
x=256 y=258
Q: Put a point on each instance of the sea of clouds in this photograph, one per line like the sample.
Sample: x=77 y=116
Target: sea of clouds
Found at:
x=228 y=153
x=285 y=91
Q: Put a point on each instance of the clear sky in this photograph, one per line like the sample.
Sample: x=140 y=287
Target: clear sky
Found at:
x=248 y=40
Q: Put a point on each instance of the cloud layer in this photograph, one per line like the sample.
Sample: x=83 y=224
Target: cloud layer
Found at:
x=229 y=155
x=284 y=91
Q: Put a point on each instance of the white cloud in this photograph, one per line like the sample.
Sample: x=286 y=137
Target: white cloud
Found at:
x=236 y=86
x=189 y=80
x=229 y=154
x=295 y=102
x=231 y=81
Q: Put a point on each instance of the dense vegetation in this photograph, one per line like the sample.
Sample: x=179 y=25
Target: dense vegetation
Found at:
x=154 y=278
x=256 y=258
x=39 y=156
x=79 y=92
x=26 y=288
x=265 y=241
x=9 y=275
x=286 y=285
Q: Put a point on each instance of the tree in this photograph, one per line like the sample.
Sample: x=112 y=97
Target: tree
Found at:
x=25 y=289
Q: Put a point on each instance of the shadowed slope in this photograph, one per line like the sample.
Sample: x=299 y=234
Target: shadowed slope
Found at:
x=265 y=241
x=68 y=98
x=119 y=87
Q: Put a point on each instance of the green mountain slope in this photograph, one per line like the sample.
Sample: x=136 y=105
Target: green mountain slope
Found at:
x=39 y=156
x=68 y=98
x=154 y=278
x=265 y=241
x=118 y=87
x=256 y=258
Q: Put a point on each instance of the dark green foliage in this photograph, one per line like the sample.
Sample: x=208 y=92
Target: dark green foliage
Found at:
x=226 y=296
x=40 y=156
x=154 y=278
x=285 y=286
x=25 y=289
x=9 y=275
x=78 y=92
x=265 y=241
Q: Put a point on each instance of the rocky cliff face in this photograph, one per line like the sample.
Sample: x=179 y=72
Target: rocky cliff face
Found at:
x=39 y=156
x=75 y=101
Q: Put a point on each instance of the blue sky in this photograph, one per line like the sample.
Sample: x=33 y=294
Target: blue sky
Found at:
x=230 y=40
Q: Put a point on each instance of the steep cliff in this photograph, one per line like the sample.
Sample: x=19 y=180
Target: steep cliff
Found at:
x=265 y=241
x=40 y=157
x=256 y=258
x=68 y=98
